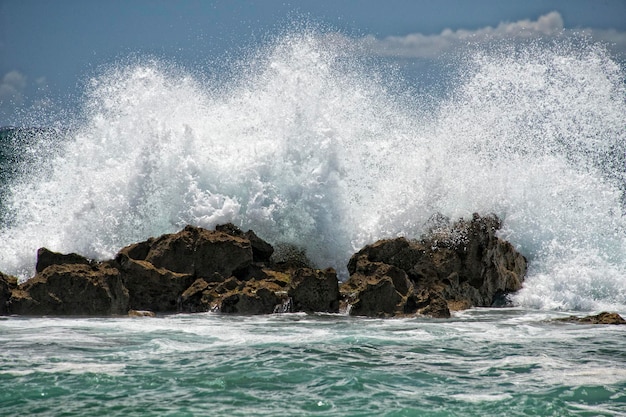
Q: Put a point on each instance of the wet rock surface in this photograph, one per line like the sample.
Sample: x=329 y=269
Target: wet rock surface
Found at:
x=71 y=289
x=601 y=318
x=8 y=284
x=455 y=266
x=227 y=270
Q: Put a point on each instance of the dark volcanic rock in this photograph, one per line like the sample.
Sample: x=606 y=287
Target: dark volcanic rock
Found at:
x=71 y=289
x=182 y=271
x=151 y=288
x=376 y=289
x=261 y=250
x=428 y=303
x=314 y=290
x=7 y=285
x=602 y=318
x=254 y=297
x=257 y=295
x=137 y=251
x=377 y=298
x=301 y=289
x=46 y=257
x=197 y=298
x=200 y=252
x=226 y=270
x=464 y=264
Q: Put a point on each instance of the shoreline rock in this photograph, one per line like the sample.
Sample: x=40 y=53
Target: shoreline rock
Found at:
x=601 y=318
x=8 y=284
x=455 y=266
x=71 y=289
x=226 y=270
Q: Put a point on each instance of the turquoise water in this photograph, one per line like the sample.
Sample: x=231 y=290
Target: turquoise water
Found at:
x=483 y=362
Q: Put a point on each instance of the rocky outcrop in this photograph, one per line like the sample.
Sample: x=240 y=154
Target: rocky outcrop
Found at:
x=455 y=266
x=46 y=257
x=198 y=252
x=272 y=291
x=235 y=296
x=234 y=272
x=376 y=289
x=151 y=288
x=261 y=250
x=7 y=285
x=602 y=318
x=72 y=289
x=253 y=297
x=314 y=290
x=224 y=270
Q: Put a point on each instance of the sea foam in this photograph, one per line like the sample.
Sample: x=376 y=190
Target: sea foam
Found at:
x=307 y=143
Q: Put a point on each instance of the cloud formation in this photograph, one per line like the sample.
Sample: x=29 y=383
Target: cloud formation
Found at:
x=417 y=45
x=12 y=87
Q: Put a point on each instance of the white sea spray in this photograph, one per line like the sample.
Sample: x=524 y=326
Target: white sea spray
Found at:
x=306 y=144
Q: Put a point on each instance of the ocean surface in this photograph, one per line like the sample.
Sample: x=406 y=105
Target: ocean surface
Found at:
x=310 y=141
x=482 y=362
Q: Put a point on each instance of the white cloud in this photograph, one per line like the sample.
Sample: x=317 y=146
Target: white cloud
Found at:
x=418 y=45
x=12 y=87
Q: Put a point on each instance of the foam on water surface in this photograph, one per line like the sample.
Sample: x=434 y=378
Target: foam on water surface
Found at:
x=480 y=362
x=307 y=143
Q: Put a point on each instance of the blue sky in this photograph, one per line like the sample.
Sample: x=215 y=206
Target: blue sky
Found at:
x=48 y=48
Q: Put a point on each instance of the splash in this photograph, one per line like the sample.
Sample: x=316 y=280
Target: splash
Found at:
x=307 y=144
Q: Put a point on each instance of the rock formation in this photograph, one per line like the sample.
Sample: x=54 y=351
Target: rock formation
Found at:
x=314 y=290
x=198 y=252
x=230 y=271
x=151 y=288
x=71 y=289
x=602 y=318
x=194 y=270
x=455 y=266
x=7 y=285
x=46 y=257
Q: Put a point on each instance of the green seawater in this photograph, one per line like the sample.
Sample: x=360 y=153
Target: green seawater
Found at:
x=482 y=362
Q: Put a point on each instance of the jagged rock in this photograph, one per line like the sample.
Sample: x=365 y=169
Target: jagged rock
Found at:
x=197 y=298
x=427 y=303
x=261 y=250
x=377 y=298
x=255 y=270
x=200 y=252
x=314 y=290
x=46 y=257
x=390 y=251
x=490 y=266
x=465 y=264
x=137 y=251
x=255 y=297
x=206 y=295
x=71 y=289
x=602 y=318
x=151 y=288
x=377 y=289
x=7 y=284
x=301 y=289
x=455 y=266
